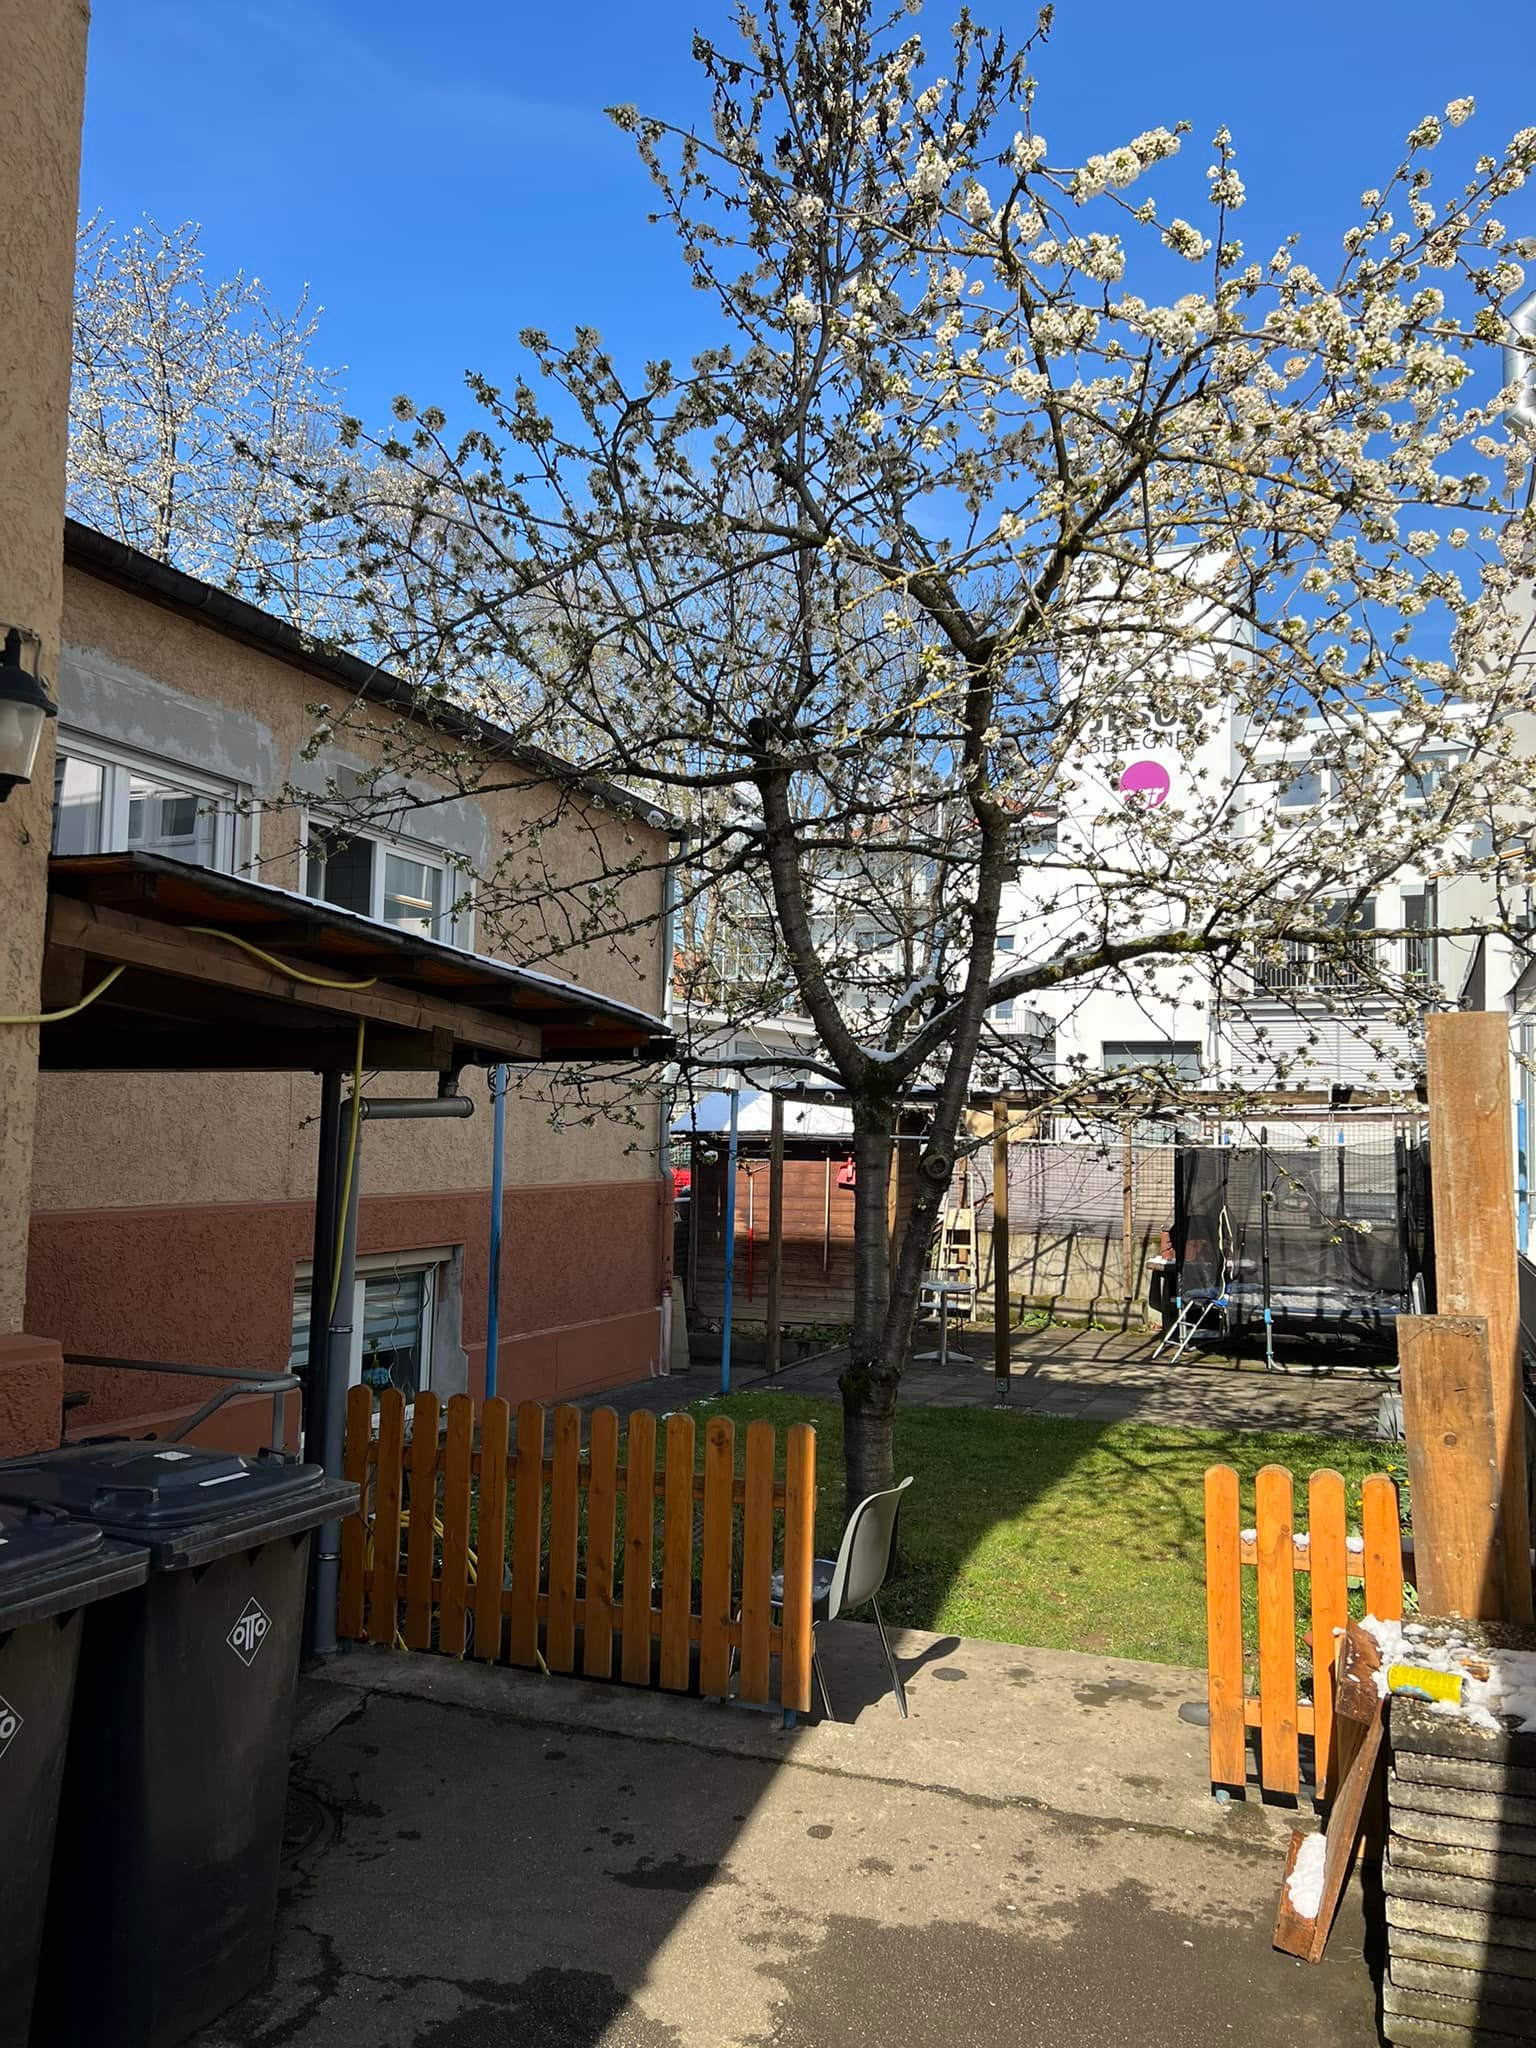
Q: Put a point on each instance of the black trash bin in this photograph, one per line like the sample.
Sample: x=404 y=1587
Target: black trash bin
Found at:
x=51 y=1570
x=165 y=1867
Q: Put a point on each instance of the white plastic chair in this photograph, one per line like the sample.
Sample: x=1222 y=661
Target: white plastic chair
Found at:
x=853 y=1578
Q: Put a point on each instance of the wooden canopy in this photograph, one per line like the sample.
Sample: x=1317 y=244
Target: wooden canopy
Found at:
x=195 y=996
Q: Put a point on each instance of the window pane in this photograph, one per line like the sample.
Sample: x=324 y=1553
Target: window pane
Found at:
x=298 y=1348
x=413 y=894
x=164 y=819
x=77 y=805
x=394 y=1331
x=340 y=870
x=1303 y=792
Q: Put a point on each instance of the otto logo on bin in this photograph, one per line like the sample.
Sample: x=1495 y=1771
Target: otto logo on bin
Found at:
x=249 y=1633
x=10 y=1722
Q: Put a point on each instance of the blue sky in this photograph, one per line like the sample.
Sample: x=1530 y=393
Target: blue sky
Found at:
x=443 y=176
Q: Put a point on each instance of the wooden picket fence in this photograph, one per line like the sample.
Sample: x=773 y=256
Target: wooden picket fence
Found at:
x=1332 y=1561
x=472 y=1542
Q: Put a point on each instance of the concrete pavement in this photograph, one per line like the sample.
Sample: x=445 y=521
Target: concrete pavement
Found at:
x=1098 y=1375
x=487 y=1858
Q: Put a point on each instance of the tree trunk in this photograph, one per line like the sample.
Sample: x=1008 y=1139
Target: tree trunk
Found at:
x=869 y=1381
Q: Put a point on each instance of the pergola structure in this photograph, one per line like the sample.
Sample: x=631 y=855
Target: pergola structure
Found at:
x=151 y=965
x=195 y=993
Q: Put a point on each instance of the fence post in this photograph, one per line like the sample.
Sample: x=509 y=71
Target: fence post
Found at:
x=1453 y=1464
x=1328 y=1557
x=1127 y=1214
x=1381 y=1528
x=799 y=1557
x=1001 y=1249
x=774 y=1345
x=639 y=1546
x=1472 y=1188
x=1224 y=1628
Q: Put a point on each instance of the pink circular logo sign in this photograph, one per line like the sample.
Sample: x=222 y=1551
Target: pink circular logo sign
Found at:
x=1147 y=780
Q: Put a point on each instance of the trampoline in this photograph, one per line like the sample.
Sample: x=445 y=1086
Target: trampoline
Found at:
x=1298 y=1240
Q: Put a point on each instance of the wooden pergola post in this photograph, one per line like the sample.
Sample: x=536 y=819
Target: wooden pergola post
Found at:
x=1001 y=1361
x=774 y=1348
x=1471 y=1166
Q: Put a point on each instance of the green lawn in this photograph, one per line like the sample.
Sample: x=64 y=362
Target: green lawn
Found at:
x=1066 y=1534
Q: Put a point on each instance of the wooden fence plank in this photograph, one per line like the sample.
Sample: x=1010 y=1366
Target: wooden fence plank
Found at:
x=602 y=1502
x=1328 y=1553
x=639 y=1546
x=386 y=1517
x=757 y=1564
x=564 y=1528
x=1278 y=1760
x=1224 y=1628
x=1380 y=1526
x=421 y=1539
x=677 y=1554
x=1453 y=1465
x=351 y=1590
x=527 y=1536
x=564 y=1537
x=799 y=1558
x=491 y=1528
x=715 y=1573
x=457 y=1476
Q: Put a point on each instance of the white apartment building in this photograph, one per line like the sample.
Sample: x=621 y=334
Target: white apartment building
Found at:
x=1309 y=1017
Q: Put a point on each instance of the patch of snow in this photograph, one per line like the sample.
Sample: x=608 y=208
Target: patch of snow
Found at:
x=1498 y=1686
x=1355 y=1543
x=1304 y=1886
x=1250 y=1535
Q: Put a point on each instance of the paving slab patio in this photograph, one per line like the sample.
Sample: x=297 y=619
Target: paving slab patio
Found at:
x=492 y=1858
x=1103 y=1375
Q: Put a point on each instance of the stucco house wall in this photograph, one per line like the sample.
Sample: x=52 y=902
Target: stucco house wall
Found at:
x=170 y=1213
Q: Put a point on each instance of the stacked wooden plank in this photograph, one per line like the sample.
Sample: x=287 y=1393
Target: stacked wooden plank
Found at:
x=1460 y=1874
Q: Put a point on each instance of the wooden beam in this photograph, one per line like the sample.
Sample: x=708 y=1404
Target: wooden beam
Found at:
x=114 y=935
x=774 y=1346
x=1471 y=1153
x=1001 y=1251
x=130 y=1048
x=1453 y=1465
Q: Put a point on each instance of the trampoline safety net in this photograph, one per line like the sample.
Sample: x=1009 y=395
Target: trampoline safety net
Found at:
x=1329 y=1237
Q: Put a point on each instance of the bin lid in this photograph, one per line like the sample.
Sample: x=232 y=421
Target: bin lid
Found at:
x=145 y=1488
x=36 y=1542
x=49 y=1564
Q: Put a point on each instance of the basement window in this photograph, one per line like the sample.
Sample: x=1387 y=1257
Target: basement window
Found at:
x=393 y=1310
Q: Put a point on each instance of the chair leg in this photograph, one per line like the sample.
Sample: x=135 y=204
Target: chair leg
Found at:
x=896 y=1685
x=821 y=1686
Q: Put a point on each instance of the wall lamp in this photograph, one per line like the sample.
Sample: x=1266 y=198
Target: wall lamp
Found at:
x=24 y=706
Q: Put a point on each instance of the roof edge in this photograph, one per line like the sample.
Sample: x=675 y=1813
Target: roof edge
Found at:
x=98 y=554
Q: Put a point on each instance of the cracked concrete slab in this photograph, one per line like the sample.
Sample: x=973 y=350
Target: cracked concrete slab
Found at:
x=499 y=1861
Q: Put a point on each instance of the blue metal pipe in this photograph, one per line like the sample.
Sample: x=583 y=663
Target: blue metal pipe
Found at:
x=1523 y=1170
x=730 y=1246
x=493 y=1280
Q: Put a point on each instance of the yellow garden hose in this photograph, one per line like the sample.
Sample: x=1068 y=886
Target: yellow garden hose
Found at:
x=208 y=931
x=58 y=1016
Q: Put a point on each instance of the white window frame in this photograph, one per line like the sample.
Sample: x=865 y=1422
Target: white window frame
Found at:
x=457 y=884
x=432 y=1262
x=120 y=764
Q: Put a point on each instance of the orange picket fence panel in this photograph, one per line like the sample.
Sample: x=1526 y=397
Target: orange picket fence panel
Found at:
x=1258 y=1638
x=528 y=1546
